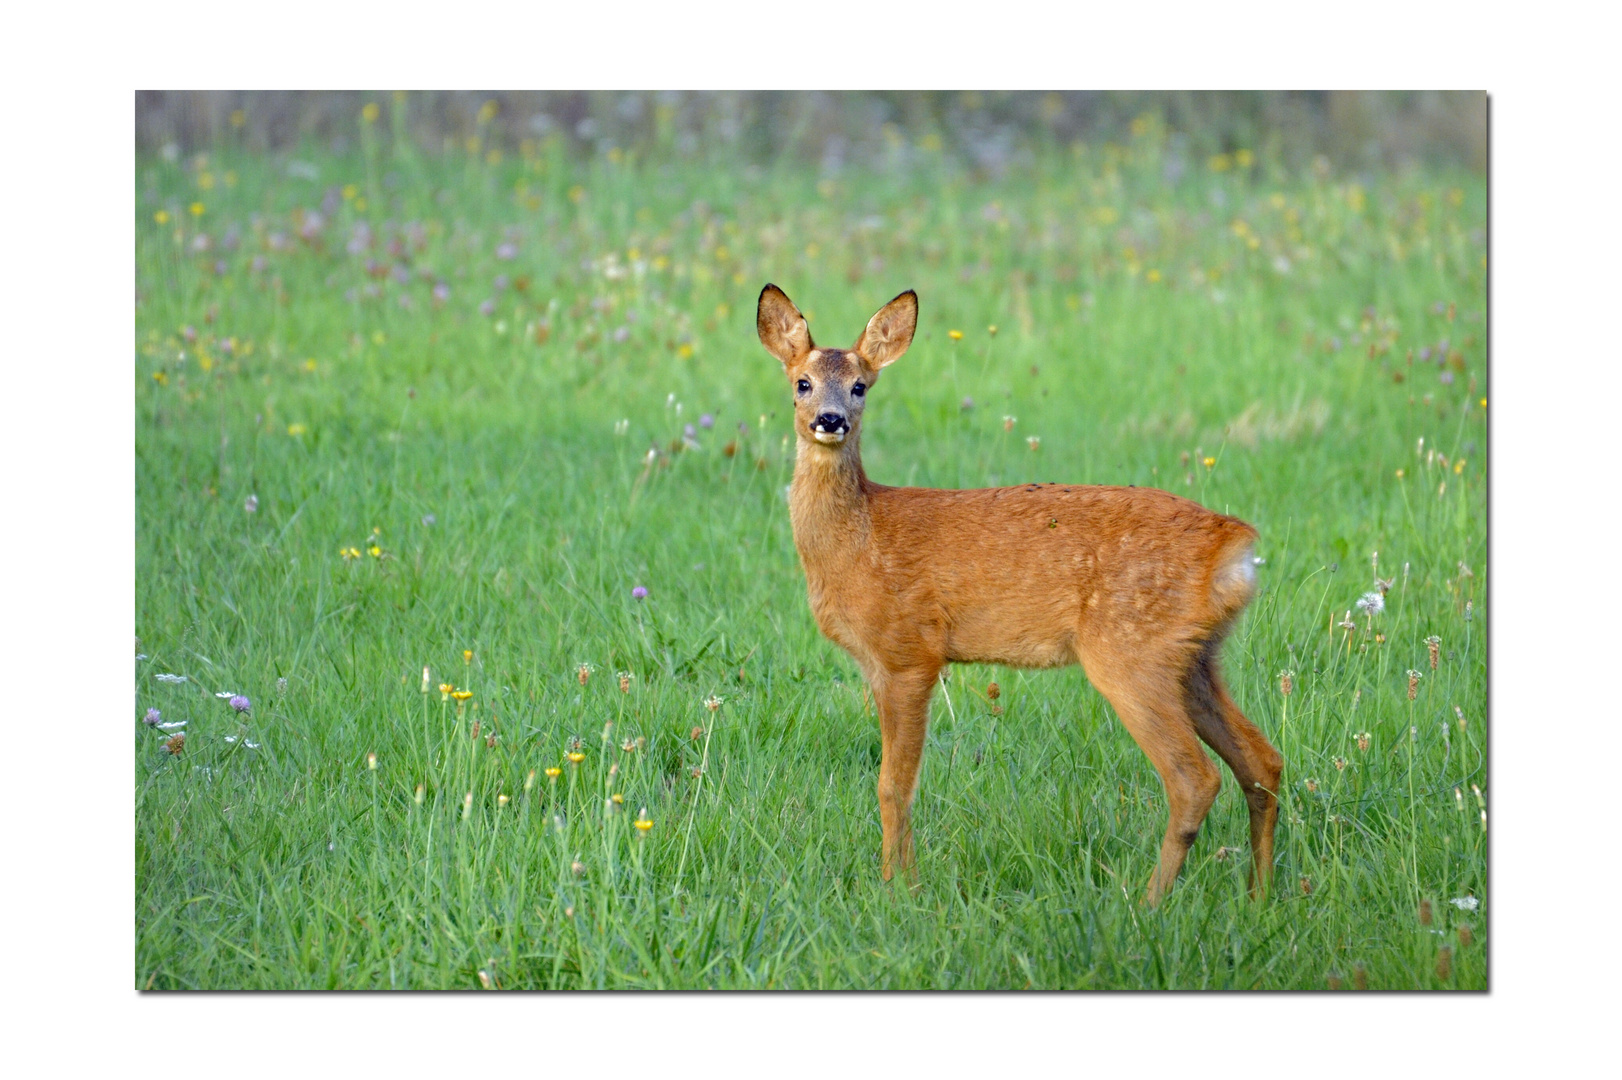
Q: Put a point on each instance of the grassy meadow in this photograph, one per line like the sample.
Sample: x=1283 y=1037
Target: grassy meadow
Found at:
x=407 y=419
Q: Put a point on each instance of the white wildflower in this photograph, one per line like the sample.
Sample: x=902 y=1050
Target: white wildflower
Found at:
x=1371 y=603
x=168 y=678
x=1465 y=903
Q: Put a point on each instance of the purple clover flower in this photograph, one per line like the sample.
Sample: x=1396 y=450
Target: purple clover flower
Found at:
x=506 y=251
x=152 y=718
x=488 y=308
x=706 y=421
x=442 y=292
x=239 y=703
x=688 y=431
x=640 y=592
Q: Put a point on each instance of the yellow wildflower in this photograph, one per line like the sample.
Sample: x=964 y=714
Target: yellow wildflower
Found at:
x=643 y=822
x=955 y=335
x=375 y=552
x=350 y=191
x=553 y=772
x=1220 y=163
x=161 y=378
x=445 y=689
x=461 y=695
x=467 y=656
x=617 y=798
x=197 y=209
x=161 y=217
x=576 y=757
x=296 y=430
x=1209 y=462
x=368 y=113
x=992 y=329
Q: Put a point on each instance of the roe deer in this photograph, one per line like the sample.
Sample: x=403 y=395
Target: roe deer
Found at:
x=1137 y=585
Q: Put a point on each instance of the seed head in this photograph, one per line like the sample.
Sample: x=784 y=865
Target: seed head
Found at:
x=712 y=703
x=1310 y=784
x=1008 y=423
x=1444 y=962
x=1340 y=764
x=490 y=742
x=696 y=734
x=1469 y=610
x=1413 y=683
x=1306 y=885
x=1334 y=979
x=1433 y=645
x=476 y=728
x=629 y=746
x=1363 y=739
x=1286 y=682
x=1371 y=603
x=993 y=692
x=583 y=673
x=1466 y=937
x=1360 y=976
x=625 y=682
x=1424 y=912
x=427 y=683
x=176 y=743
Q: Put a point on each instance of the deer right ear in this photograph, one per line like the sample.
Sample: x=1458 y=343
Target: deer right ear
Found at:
x=781 y=327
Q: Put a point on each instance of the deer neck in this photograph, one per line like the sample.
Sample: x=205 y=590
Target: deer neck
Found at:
x=828 y=506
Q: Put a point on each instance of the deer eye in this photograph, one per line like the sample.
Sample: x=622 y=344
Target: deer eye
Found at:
x=858 y=390
x=803 y=386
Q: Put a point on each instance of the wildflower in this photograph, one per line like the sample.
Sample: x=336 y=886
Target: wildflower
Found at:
x=617 y=799
x=296 y=430
x=955 y=335
x=639 y=593
x=1413 y=683
x=992 y=329
x=1340 y=764
x=625 y=678
x=993 y=692
x=152 y=718
x=1346 y=622
x=643 y=822
x=577 y=867
x=168 y=678
x=374 y=551
x=445 y=689
x=1008 y=423
x=161 y=217
x=583 y=672
x=502 y=800
x=197 y=209
x=629 y=746
x=1469 y=610
x=1363 y=739
x=1286 y=682
x=371 y=762
x=175 y=744
x=1458 y=712
x=368 y=113
x=712 y=703
x=1209 y=463
x=696 y=734
x=1034 y=442
x=477 y=727
x=281 y=685
x=553 y=772
x=174 y=725
x=1306 y=885
x=1433 y=645
x=461 y=695
x=576 y=757
x=251 y=504
x=706 y=421
x=1371 y=603
x=1311 y=785
x=426 y=682
x=490 y=741
x=349 y=553
x=239 y=703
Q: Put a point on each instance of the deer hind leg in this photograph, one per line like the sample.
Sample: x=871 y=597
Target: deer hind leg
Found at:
x=1152 y=711
x=903 y=704
x=1255 y=763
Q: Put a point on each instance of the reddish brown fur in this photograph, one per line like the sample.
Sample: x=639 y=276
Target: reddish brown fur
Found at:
x=1139 y=586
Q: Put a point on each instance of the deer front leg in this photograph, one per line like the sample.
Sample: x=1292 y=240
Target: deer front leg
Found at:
x=903 y=704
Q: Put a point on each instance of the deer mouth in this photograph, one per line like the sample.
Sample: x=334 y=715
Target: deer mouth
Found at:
x=829 y=436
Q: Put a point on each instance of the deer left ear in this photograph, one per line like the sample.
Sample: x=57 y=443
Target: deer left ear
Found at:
x=889 y=332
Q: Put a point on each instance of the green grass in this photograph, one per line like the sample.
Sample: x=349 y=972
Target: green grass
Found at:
x=1141 y=329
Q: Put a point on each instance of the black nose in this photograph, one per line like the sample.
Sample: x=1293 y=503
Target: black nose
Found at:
x=830 y=422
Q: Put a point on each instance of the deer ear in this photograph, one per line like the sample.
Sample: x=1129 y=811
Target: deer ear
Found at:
x=781 y=327
x=889 y=332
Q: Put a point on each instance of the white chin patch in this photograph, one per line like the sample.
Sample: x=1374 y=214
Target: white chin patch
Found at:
x=828 y=438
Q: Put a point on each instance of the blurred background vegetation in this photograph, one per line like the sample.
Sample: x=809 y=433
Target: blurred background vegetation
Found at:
x=988 y=132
